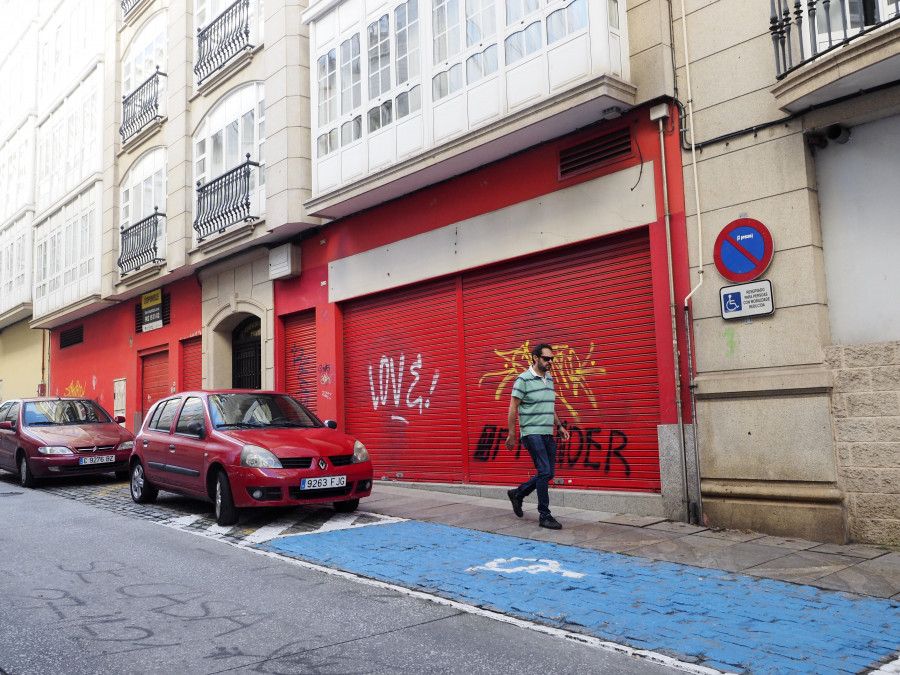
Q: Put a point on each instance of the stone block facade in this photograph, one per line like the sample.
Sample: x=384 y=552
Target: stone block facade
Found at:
x=866 y=407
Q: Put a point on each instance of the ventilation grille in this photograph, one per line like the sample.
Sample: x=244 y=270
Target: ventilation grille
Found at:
x=139 y=314
x=595 y=152
x=72 y=336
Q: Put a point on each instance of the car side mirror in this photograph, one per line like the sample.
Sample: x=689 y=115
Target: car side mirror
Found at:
x=197 y=429
x=6 y=425
x=331 y=424
x=120 y=419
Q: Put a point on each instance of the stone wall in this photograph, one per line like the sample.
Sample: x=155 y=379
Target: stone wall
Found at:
x=866 y=405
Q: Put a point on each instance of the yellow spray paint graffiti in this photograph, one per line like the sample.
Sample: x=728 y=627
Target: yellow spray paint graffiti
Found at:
x=570 y=371
x=75 y=388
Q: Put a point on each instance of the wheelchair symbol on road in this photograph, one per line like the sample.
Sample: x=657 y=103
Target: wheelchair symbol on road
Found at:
x=539 y=565
x=732 y=302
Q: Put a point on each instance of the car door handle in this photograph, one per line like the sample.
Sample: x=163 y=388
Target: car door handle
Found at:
x=145 y=444
x=172 y=448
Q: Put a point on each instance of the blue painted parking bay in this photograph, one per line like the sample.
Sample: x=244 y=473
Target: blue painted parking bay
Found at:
x=720 y=620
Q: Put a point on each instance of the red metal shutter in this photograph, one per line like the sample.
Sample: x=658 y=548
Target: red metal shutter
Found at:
x=155 y=379
x=401 y=381
x=593 y=303
x=191 y=364
x=300 y=358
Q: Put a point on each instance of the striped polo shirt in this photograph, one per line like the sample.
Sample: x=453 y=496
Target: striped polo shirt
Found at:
x=536 y=408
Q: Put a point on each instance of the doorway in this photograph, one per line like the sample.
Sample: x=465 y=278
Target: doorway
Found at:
x=246 y=349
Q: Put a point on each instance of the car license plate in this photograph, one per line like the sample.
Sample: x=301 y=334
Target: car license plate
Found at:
x=97 y=459
x=323 y=482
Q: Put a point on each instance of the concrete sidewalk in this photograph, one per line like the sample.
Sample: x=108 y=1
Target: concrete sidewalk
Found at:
x=855 y=568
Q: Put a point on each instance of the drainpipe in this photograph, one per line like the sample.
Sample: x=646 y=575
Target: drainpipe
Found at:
x=687 y=320
x=660 y=113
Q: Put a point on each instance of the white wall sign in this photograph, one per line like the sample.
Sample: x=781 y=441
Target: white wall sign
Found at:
x=743 y=300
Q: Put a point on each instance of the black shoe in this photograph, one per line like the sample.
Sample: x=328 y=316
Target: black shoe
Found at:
x=550 y=523
x=516 y=502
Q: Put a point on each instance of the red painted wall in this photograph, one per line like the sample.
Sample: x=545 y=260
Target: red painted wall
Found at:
x=525 y=176
x=112 y=350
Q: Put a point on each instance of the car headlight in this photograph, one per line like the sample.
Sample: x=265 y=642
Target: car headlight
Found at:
x=127 y=445
x=54 y=450
x=360 y=454
x=258 y=458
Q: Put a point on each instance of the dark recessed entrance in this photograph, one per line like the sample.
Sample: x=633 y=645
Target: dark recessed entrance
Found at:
x=246 y=366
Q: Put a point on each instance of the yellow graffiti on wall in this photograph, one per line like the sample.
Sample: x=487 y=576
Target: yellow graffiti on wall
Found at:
x=75 y=388
x=570 y=371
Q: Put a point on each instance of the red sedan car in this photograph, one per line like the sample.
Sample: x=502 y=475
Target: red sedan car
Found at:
x=61 y=436
x=244 y=448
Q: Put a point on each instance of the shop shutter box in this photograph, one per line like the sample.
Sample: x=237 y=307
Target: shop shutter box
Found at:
x=191 y=364
x=154 y=378
x=401 y=381
x=593 y=303
x=300 y=362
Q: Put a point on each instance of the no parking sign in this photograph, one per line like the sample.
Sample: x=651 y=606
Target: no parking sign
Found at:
x=743 y=250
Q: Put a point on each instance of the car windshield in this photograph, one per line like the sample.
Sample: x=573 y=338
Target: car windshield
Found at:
x=251 y=411
x=63 y=413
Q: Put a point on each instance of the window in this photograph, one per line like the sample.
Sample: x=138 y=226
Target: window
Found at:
x=144 y=188
x=351 y=87
x=613 y=13
x=71 y=336
x=409 y=102
x=516 y=9
x=566 y=21
x=445 y=27
x=480 y=21
x=327 y=143
x=380 y=116
x=192 y=411
x=327 y=77
x=351 y=131
x=164 y=414
x=523 y=43
x=379 y=57
x=445 y=83
x=147 y=51
x=406 y=26
x=481 y=64
x=234 y=128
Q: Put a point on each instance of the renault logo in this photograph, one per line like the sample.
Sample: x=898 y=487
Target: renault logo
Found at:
x=94 y=449
x=323 y=464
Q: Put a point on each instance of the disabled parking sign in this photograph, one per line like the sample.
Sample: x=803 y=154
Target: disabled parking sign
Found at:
x=754 y=299
x=743 y=250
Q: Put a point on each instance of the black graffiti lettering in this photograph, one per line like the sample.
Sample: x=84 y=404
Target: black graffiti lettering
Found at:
x=610 y=450
x=592 y=445
x=302 y=391
x=489 y=443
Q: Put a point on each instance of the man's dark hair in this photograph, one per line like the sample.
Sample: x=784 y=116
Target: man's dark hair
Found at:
x=536 y=352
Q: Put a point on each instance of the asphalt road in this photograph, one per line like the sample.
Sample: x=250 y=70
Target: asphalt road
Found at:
x=86 y=589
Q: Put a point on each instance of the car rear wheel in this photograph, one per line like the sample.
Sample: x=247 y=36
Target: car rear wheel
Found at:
x=26 y=478
x=142 y=491
x=226 y=512
x=346 y=506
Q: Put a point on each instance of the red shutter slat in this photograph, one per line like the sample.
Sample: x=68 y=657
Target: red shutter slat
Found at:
x=300 y=358
x=154 y=378
x=191 y=364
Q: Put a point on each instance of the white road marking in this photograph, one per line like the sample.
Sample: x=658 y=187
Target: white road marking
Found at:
x=888 y=668
x=270 y=531
x=184 y=521
x=538 y=566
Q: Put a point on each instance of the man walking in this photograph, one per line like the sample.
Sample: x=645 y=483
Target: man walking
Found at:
x=533 y=398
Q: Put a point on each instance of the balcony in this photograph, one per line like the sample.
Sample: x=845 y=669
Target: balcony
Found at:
x=228 y=200
x=224 y=38
x=140 y=243
x=827 y=49
x=144 y=105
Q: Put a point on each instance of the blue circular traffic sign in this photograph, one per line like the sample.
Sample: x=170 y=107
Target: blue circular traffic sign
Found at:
x=743 y=250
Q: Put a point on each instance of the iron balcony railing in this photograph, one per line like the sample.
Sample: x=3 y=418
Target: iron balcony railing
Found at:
x=803 y=31
x=139 y=243
x=141 y=106
x=224 y=201
x=227 y=35
x=128 y=5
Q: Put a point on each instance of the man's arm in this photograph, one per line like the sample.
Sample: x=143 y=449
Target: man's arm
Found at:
x=512 y=437
x=558 y=424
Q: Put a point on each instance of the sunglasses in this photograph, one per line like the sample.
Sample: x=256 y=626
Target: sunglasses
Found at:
x=546 y=358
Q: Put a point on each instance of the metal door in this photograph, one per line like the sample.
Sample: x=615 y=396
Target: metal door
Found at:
x=154 y=379
x=191 y=364
x=300 y=364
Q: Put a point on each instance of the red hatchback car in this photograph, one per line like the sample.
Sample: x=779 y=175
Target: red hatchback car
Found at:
x=61 y=436
x=243 y=448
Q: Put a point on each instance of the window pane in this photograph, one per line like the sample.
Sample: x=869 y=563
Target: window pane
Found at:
x=374 y=119
x=490 y=60
x=232 y=147
x=556 y=26
x=218 y=153
x=513 y=46
x=612 y=9
x=533 y=38
x=402 y=105
x=577 y=15
x=322 y=145
x=247 y=128
x=415 y=99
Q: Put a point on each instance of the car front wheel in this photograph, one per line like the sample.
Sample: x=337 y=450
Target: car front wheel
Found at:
x=142 y=491
x=26 y=478
x=346 y=506
x=226 y=512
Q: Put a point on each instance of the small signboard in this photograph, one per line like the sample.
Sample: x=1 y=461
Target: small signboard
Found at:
x=754 y=299
x=151 y=306
x=743 y=250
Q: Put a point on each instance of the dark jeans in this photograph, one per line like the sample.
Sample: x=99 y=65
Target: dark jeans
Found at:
x=543 y=453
